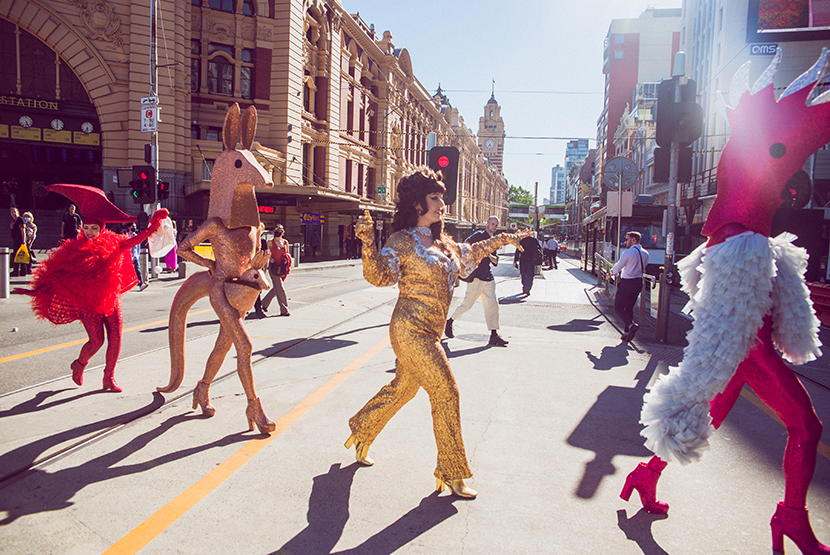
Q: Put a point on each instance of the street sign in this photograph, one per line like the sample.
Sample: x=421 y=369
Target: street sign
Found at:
x=619 y=173
x=149 y=118
x=149 y=100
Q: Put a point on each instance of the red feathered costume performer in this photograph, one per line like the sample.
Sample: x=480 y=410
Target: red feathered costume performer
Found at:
x=749 y=298
x=84 y=278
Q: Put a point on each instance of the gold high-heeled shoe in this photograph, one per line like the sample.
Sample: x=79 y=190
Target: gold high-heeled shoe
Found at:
x=360 y=450
x=458 y=487
x=257 y=416
x=201 y=397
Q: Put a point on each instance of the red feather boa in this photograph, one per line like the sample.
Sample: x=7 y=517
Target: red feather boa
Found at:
x=82 y=277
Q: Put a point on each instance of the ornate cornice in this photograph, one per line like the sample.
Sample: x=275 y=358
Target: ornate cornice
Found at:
x=100 y=20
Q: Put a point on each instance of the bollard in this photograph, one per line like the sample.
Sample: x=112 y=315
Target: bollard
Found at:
x=4 y=272
x=295 y=254
x=182 y=269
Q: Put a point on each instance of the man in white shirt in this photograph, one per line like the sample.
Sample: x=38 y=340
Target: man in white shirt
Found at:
x=631 y=266
x=553 y=250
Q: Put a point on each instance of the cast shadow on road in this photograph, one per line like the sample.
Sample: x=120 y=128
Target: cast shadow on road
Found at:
x=578 y=325
x=638 y=529
x=189 y=325
x=310 y=346
x=34 y=404
x=610 y=357
x=611 y=427
x=580 y=275
x=513 y=299
x=39 y=491
x=328 y=513
x=24 y=457
x=469 y=351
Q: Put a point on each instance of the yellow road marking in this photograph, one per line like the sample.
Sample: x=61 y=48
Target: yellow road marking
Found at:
x=750 y=396
x=79 y=341
x=157 y=523
x=142 y=326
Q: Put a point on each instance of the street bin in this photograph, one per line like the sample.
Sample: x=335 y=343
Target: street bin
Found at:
x=295 y=254
x=182 y=269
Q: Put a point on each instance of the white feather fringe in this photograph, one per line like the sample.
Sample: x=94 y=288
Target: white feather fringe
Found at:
x=731 y=287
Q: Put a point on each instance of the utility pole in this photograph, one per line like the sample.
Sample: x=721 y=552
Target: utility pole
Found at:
x=536 y=205
x=662 y=332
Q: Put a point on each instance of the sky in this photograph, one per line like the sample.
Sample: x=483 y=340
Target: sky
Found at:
x=544 y=55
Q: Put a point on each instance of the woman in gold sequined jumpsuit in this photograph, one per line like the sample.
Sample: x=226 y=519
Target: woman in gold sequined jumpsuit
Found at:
x=424 y=263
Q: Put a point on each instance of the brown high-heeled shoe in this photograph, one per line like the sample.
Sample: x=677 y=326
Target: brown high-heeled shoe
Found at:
x=458 y=487
x=795 y=524
x=361 y=449
x=201 y=397
x=78 y=372
x=257 y=416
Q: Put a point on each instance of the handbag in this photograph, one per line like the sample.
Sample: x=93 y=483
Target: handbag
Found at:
x=279 y=270
x=22 y=255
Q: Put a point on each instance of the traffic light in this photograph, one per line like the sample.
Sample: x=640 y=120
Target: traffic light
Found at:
x=164 y=190
x=143 y=185
x=444 y=159
x=682 y=121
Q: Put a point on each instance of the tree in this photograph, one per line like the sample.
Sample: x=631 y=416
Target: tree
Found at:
x=517 y=194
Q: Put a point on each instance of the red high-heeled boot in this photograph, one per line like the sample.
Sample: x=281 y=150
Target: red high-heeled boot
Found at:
x=795 y=524
x=644 y=480
x=78 y=372
x=109 y=382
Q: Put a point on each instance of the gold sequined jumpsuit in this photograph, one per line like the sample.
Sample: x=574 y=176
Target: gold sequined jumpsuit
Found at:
x=425 y=278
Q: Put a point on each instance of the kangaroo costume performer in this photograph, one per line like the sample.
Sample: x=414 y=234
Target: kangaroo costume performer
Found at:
x=235 y=278
x=84 y=278
x=748 y=295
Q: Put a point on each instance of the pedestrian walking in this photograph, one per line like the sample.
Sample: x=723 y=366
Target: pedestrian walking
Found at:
x=553 y=250
x=135 y=254
x=171 y=259
x=424 y=262
x=526 y=261
x=84 y=278
x=30 y=234
x=630 y=267
x=481 y=284
x=18 y=233
x=279 y=266
x=71 y=223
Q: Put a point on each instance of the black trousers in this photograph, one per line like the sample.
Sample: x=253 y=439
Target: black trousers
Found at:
x=626 y=298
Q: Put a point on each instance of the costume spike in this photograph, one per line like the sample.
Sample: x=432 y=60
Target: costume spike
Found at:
x=768 y=77
x=739 y=85
x=809 y=77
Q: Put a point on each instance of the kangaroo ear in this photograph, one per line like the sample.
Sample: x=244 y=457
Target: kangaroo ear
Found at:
x=248 y=128
x=230 y=130
x=260 y=259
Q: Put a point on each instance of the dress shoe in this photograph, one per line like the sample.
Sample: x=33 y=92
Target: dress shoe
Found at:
x=78 y=372
x=201 y=398
x=109 y=382
x=644 y=479
x=448 y=329
x=256 y=415
x=496 y=340
x=629 y=335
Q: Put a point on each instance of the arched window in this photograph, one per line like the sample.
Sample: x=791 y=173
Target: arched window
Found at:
x=220 y=76
x=248 y=8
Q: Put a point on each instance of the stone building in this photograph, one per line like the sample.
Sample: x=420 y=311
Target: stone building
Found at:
x=341 y=115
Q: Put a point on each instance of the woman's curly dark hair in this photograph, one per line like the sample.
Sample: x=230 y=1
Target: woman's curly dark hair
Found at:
x=413 y=190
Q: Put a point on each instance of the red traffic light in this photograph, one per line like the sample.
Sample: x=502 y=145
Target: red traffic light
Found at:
x=443 y=161
x=142 y=175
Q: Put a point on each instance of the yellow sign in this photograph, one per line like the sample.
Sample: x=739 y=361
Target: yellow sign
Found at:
x=81 y=138
x=205 y=250
x=4 y=131
x=57 y=136
x=25 y=133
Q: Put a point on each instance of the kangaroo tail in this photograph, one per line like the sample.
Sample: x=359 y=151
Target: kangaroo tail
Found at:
x=196 y=287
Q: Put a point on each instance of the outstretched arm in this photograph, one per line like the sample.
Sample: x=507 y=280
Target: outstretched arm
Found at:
x=155 y=222
x=380 y=269
x=204 y=232
x=471 y=255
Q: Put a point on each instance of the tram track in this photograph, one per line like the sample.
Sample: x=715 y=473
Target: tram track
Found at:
x=154 y=408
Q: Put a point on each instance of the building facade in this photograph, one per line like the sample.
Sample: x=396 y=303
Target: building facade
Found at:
x=637 y=50
x=558 y=183
x=491 y=134
x=341 y=115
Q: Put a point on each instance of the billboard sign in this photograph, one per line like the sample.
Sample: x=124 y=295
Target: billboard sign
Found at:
x=787 y=20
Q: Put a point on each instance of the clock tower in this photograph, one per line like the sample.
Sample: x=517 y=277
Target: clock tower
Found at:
x=491 y=133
